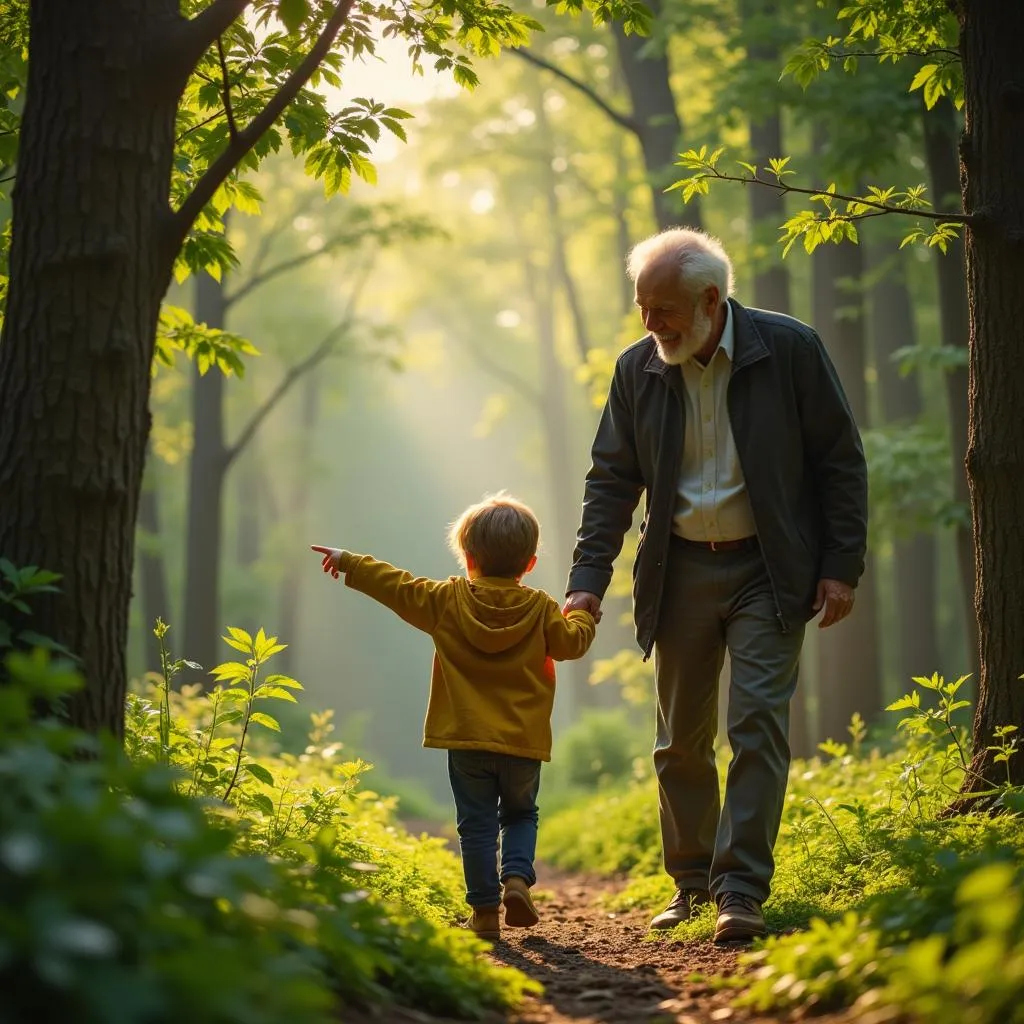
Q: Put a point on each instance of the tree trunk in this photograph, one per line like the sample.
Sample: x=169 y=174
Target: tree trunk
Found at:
x=992 y=154
x=940 y=130
x=156 y=595
x=914 y=557
x=849 y=677
x=207 y=469
x=89 y=263
x=299 y=500
x=646 y=72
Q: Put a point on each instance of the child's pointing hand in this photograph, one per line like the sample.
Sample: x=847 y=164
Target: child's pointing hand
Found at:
x=332 y=559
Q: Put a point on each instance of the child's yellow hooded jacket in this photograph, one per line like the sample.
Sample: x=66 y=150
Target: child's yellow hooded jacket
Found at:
x=492 y=685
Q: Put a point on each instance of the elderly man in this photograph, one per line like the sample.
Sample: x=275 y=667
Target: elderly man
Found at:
x=734 y=423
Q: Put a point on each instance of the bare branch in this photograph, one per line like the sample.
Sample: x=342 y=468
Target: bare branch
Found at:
x=953 y=55
x=779 y=186
x=202 y=124
x=295 y=373
x=622 y=120
x=217 y=173
x=225 y=91
x=259 y=278
x=204 y=28
x=10 y=177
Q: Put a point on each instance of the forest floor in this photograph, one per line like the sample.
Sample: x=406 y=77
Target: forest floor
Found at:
x=598 y=967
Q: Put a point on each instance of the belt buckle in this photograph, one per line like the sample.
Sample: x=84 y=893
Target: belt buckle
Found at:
x=714 y=544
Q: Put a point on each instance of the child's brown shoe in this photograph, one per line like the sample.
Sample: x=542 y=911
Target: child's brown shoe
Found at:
x=485 y=923
x=519 y=909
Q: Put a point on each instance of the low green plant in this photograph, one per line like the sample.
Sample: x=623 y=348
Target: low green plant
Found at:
x=176 y=878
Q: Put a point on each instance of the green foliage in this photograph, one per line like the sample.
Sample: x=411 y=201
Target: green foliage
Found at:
x=890 y=31
x=601 y=749
x=911 y=490
x=17 y=588
x=834 y=219
x=124 y=898
x=896 y=904
x=205 y=346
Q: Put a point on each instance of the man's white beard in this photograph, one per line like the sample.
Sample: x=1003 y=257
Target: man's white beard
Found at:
x=689 y=343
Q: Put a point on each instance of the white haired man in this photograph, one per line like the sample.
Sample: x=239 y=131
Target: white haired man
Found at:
x=734 y=424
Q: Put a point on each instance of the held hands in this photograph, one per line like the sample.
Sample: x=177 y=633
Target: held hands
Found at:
x=837 y=600
x=581 y=600
x=331 y=562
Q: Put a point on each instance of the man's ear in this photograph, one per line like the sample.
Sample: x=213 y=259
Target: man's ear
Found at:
x=710 y=299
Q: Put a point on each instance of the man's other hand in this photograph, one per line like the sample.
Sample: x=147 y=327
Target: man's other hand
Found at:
x=581 y=600
x=837 y=600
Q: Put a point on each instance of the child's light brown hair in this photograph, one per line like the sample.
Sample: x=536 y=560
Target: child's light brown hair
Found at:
x=499 y=533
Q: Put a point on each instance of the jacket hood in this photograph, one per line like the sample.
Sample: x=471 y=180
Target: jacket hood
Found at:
x=496 y=614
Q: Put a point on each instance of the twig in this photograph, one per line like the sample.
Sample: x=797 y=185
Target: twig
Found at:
x=203 y=29
x=300 y=369
x=622 y=120
x=218 y=171
x=202 y=124
x=954 y=55
x=226 y=90
x=952 y=218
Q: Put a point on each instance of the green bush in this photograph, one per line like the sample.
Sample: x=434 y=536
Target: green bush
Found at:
x=905 y=907
x=190 y=881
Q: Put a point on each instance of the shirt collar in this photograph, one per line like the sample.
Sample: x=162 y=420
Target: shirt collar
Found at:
x=728 y=342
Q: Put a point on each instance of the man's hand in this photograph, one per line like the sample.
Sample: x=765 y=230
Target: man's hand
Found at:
x=331 y=562
x=837 y=600
x=581 y=600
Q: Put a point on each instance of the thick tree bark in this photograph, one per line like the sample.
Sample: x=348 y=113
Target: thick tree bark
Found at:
x=156 y=595
x=849 y=676
x=646 y=72
x=89 y=264
x=914 y=558
x=207 y=469
x=993 y=154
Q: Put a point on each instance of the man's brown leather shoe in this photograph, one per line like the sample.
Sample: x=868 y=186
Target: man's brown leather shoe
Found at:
x=519 y=909
x=739 y=918
x=485 y=923
x=684 y=906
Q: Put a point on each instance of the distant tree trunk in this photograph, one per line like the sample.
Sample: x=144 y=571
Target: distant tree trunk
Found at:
x=623 y=241
x=297 y=512
x=914 y=558
x=940 y=136
x=849 y=676
x=646 y=72
x=771 y=285
x=89 y=263
x=156 y=596
x=207 y=469
x=249 y=539
x=993 y=154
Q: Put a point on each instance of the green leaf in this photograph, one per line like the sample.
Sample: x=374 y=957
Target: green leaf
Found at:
x=279 y=680
x=265 y=720
x=277 y=693
x=257 y=771
x=293 y=13
x=264 y=803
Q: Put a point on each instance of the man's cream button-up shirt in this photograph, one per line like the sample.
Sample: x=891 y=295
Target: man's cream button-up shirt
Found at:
x=711 y=499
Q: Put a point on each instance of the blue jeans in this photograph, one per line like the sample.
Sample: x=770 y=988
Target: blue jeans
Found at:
x=495 y=794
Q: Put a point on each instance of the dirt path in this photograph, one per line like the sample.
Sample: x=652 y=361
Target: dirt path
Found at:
x=596 y=967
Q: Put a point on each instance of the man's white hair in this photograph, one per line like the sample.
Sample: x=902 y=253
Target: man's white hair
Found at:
x=701 y=258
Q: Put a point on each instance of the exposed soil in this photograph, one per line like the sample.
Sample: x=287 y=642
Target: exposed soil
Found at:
x=597 y=968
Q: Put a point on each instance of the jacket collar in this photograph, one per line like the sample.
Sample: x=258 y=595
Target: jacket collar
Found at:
x=748 y=345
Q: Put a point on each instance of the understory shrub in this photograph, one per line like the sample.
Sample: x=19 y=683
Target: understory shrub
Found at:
x=897 y=904
x=185 y=880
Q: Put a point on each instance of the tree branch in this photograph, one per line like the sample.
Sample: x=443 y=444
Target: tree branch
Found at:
x=950 y=218
x=216 y=174
x=198 y=34
x=495 y=369
x=225 y=91
x=953 y=55
x=294 y=373
x=259 y=278
x=622 y=120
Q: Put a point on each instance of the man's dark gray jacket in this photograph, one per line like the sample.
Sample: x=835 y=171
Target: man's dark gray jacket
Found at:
x=798 y=446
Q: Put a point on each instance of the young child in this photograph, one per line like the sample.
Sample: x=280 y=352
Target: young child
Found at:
x=492 y=687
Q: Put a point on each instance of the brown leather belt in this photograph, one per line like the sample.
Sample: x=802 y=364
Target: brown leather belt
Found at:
x=743 y=544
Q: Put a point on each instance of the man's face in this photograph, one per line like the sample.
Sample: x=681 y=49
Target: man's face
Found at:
x=680 y=325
